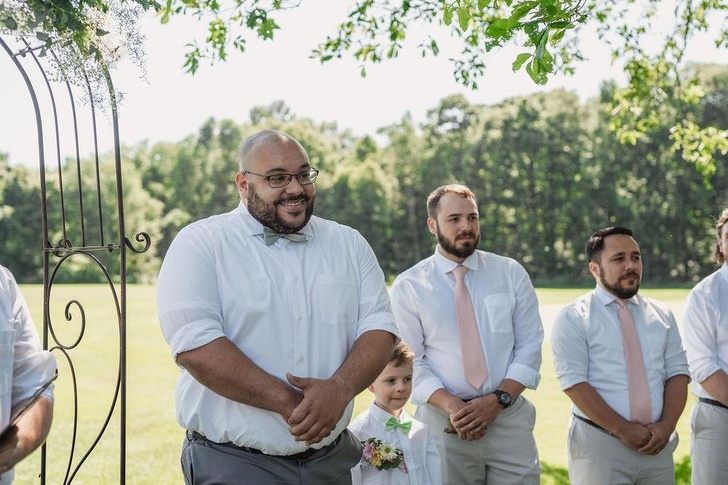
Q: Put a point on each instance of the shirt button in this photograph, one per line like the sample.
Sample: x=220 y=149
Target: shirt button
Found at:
x=300 y=359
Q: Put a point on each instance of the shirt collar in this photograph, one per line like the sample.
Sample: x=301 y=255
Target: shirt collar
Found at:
x=445 y=265
x=724 y=271
x=606 y=298
x=382 y=416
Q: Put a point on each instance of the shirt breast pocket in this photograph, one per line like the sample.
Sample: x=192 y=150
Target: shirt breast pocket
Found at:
x=655 y=342
x=499 y=309
x=335 y=300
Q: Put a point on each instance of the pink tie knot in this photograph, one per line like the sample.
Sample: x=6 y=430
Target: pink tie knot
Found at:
x=459 y=272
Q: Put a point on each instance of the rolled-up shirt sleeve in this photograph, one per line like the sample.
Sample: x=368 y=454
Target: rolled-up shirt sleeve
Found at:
x=675 y=360
x=527 y=332
x=569 y=348
x=188 y=301
x=700 y=336
x=375 y=311
x=31 y=365
x=425 y=382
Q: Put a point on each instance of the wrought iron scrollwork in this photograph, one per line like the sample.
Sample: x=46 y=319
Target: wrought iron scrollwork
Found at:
x=71 y=219
x=141 y=237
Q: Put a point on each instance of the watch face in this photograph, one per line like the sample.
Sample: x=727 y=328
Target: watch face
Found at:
x=504 y=398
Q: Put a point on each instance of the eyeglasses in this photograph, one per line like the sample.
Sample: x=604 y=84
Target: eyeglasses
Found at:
x=279 y=180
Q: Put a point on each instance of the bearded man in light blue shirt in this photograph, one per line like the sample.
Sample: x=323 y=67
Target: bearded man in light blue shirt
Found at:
x=622 y=430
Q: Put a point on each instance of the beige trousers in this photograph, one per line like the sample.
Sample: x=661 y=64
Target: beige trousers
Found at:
x=597 y=458
x=505 y=455
x=709 y=444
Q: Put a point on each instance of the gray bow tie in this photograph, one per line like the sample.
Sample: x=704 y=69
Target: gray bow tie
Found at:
x=270 y=236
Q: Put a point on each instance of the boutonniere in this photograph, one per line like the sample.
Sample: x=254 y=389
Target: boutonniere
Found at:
x=382 y=455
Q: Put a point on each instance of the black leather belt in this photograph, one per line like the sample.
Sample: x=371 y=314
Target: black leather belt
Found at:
x=297 y=456
x=712 y=402
x=592 y=423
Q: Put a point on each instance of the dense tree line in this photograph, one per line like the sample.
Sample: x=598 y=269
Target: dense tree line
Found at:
x=548 y=169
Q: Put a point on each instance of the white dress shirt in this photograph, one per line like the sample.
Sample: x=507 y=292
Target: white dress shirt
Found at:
x=705 y=329
x=507 y=315
x=587 y=346
x=290 y=307
x=418 y=448
x=24 y=365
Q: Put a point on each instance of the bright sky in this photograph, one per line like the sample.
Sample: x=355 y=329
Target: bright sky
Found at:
x=170 y=104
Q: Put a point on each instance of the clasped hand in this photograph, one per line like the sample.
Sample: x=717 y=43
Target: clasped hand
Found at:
x=321 y=408
x=472 y=419
x=647 y=439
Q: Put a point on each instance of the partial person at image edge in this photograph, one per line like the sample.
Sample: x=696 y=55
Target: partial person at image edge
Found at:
x=705 y=330
x=27 y=368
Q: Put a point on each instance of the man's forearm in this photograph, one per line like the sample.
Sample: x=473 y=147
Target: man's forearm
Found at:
x=32 y=431
x=223 y=368
x=675 y=396
x=367 y=358
x=717 y=386
x=588 y=400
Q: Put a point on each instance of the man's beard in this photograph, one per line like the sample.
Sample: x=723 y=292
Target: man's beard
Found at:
x=618 y=290
x=267 y=214
x=464 y=250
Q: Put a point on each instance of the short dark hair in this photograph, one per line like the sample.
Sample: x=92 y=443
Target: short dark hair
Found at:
x=595 y=244
x=433 y=200
x=717 y=253
x=402 y=355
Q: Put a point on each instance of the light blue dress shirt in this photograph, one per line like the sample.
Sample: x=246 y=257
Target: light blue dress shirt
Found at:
x=587 y=347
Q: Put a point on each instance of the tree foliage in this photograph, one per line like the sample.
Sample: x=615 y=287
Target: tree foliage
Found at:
x=547 y=169
x=547 y=33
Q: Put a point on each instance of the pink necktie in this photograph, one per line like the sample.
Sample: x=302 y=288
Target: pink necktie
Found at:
x=476 y=369
x=639 y=390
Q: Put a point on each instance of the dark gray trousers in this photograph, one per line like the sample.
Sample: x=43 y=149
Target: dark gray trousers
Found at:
x=208 y=463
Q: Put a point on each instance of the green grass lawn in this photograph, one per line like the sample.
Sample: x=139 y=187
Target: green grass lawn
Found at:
x=153 y=437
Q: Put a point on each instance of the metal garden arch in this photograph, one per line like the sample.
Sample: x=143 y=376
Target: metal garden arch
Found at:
x=77 y=227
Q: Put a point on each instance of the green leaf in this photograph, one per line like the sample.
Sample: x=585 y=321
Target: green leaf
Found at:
x=561 y=25
x=463 y=18
x=541 y=45
x=497 y=29
x=447 y=15
x=520 y=59
x=10 y=23
x=483 y=4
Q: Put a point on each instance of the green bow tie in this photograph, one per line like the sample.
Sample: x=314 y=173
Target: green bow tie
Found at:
x=270 y=236
x=394 y=423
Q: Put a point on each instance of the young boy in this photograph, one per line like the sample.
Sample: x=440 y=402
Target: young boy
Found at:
x=398 y=449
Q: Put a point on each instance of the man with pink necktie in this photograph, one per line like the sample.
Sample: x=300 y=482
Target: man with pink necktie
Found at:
x=471 y=317
x=619 y=358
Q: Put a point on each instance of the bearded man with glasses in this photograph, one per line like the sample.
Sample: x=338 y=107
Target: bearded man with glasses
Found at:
x=277 y=319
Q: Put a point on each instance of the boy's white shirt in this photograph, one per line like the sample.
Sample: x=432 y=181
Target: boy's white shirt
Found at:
x=418 y=447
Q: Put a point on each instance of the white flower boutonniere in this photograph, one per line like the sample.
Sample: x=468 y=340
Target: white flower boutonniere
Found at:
x=382 y=455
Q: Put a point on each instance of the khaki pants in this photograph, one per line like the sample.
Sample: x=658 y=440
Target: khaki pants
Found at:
x=598 y=458
x=505 y=455
x=709 y=444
